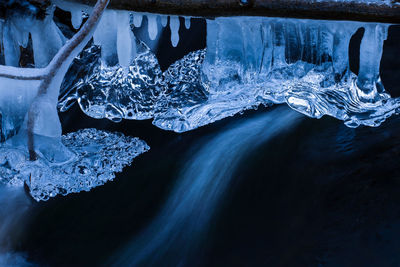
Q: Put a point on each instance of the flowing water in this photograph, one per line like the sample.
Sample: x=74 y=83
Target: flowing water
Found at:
x=175 y=234
x=14 y=205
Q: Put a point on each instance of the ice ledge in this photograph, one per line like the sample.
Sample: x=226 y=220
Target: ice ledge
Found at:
x=97 y=156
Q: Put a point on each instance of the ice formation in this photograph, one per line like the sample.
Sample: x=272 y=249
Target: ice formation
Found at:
x=174 y=25
x=95 y=158
x=251 y=61
x=248 y=61
x=34 y=153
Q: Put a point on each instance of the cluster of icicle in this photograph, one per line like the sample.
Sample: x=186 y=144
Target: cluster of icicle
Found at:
x=248 y=61
x=28 y=114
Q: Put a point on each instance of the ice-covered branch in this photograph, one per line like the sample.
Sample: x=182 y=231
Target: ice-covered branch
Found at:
x=50 y=85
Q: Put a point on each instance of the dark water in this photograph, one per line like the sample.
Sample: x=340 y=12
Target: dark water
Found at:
x=289 y=191
x=175 y=235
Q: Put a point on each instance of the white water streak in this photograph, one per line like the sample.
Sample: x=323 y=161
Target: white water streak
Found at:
x=183 y=221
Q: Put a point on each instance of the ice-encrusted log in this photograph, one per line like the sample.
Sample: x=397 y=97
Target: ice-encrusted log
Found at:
x=360 y=10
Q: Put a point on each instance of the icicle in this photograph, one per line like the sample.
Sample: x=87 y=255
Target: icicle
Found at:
x=174 y=25
x=266 y=33
x=11 y=48
x=325 y=49
x=370 y=57
x=291 y=42
x=164 y=20
x=252 y=45
x=126 y=44
x=76 y=11
x=106 y=36
x=301 y=40
x=47 y=39
x=187 y=22
x=20 y=30
x=225 y=60
x=279 y=58
x=212 y=41
x=137 y=20
x=340 y=54
x=152 y=26
x=310 y=34
x=1 y=43
x=76 y=18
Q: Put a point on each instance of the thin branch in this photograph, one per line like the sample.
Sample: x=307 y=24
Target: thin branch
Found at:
x=24 y=74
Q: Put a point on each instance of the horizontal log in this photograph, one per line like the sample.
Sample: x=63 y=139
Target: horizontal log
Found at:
x=330 y=10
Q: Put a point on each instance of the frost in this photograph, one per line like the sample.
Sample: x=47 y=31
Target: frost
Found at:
x=95 y=158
